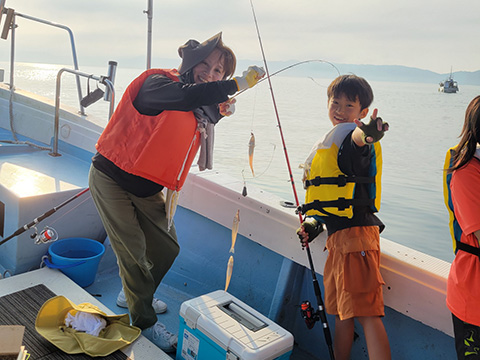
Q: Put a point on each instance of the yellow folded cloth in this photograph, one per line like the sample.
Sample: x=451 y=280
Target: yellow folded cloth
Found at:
x=50 y=323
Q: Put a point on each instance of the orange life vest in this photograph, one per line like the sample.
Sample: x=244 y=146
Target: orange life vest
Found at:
x=160 y=148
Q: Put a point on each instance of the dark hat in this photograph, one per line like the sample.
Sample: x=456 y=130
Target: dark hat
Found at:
x=192 y=52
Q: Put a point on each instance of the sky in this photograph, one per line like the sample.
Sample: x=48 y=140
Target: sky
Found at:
x=432 y=35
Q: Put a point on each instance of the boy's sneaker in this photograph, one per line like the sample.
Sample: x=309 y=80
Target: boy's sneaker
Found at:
x=160 y=336
x=158 y=305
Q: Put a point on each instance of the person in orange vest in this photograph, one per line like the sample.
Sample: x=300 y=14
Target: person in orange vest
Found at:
x=462 y=198
x=164 y=117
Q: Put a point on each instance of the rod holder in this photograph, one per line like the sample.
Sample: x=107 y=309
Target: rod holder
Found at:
x=2 y=7
x=112 y=70
x=8 y=23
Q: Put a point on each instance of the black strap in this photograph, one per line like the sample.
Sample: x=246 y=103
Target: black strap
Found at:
x=468 y=248
x=340 y=180
x=340 y=203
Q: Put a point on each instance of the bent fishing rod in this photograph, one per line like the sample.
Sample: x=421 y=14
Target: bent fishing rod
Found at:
x=318 y=294
x=268 y=76
x=42 y=217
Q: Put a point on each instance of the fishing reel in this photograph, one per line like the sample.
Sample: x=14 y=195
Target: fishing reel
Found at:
x=47 y=235
x=309 y=314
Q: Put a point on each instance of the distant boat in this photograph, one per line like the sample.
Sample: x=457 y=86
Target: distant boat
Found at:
x=448 y=86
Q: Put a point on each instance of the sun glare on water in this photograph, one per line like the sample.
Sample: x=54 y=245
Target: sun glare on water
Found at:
x=42 y=72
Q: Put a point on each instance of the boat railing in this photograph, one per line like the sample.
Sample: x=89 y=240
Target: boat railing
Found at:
x=10 y=25
x=109 y=96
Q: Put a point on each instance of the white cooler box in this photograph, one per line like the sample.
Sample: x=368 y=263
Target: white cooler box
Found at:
x=218 y=326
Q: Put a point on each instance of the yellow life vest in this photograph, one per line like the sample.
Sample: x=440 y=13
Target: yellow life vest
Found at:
x=330 y=192
x=455 y=230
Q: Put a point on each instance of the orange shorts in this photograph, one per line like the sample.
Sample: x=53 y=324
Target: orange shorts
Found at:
x=352 y=273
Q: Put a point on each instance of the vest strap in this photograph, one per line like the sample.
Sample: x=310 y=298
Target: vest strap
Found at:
x=468 y=248
x=340 y=180
x=340 y=203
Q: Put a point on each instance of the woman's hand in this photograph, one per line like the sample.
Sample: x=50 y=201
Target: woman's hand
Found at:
x=227 y=108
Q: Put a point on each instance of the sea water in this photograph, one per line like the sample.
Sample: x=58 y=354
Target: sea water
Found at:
x=424 y=123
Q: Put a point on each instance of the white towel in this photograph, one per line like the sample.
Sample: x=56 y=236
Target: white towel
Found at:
x=90 y=323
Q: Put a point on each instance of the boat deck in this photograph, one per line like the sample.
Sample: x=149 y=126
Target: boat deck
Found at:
x=103 y=293
x=27 y=171
x=107 y=285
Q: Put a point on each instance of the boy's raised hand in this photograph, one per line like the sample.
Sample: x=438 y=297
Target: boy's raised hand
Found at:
x=374 y=130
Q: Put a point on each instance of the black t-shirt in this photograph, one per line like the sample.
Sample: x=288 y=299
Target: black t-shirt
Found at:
x=159 y=93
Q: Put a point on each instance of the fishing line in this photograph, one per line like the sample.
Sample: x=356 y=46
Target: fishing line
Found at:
x=247 y=159
x=69 y=211
x=292 y=181
x=269 y=163
x=244 y=191
x=266 y=168
x=268 y=76
x=49 y=234
x=323 y=86
x=251 y=143
x=42 y=217
x=321 y=309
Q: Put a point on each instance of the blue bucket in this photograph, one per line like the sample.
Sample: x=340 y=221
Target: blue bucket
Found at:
x=78 y=258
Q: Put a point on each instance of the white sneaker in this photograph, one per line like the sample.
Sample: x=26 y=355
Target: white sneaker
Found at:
x=160 y=336
x=158 y=305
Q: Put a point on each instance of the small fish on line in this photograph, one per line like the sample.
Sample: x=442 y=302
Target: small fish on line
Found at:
x=229 y=272
x=236 y=223
x=171 y=206
x=251 y=147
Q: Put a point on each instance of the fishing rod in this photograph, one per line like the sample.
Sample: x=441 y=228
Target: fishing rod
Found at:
x=42 y=217
x=268 y=76
x=318 y=294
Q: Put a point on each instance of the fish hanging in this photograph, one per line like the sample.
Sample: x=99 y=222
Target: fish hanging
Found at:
x=229 y=272
x=251 y=148
x=171 y=206
x=236 y=223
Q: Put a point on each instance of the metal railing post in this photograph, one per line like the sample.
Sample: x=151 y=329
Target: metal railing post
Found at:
x=74 y=51
x=103 y=79
x=149 y=13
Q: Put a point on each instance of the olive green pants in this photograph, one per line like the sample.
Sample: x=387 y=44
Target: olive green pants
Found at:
x=145 y=250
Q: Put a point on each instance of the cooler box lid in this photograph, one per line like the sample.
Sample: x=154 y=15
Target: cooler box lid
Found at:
x=235 y=326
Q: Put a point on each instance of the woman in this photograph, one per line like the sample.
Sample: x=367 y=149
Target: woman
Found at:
x=150 y=143
x=462 y=195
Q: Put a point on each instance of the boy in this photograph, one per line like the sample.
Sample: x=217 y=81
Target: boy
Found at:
x=342 y=182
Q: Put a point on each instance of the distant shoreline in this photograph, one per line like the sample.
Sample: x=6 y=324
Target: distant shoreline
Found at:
x=316 y=69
